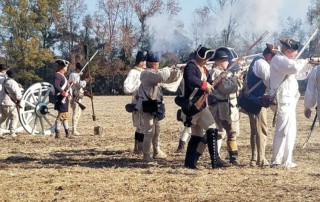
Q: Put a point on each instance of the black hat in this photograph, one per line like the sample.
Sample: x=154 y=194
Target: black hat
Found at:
x=204 y=53
x=219 y=55
x=11 y=73
x=151 y=57
x=78 y=66
x=62 y=63
x=3 y=67
x=224 y=52
x=290 y=43
x=141 y=56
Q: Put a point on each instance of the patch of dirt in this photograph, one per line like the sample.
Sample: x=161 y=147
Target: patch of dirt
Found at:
x=104 y=168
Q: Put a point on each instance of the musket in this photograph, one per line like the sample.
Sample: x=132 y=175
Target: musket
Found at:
x=246 y=62
x=217 y=80
x=90 y=86
x=310 y=132
x=82 y=69
x=307 y=43
x=251 y=56
x=82 y=107
x=181 y=65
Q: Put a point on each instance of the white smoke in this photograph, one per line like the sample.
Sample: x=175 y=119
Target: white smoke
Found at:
x=260 y=16
x=252 y=16
x=162 y=28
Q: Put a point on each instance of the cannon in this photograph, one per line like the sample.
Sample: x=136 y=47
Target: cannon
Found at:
x=36 y=113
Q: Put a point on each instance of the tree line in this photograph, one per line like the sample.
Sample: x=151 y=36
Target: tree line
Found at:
x=33 y=33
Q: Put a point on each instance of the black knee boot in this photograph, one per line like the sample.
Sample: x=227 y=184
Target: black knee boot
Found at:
x=136 y=137
x=213 y=146
x=140 y=142
x=67 y=133
x=57 y=133
x=192 y=156
x=216 y=161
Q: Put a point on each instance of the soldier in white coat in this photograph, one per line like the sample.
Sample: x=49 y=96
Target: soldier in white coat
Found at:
x=131 y=85
x=3 y=77
x=77 y=95
x=312 y=94
x=3 y=74
x=284 y=86
x=150 y=95
x=10 y=96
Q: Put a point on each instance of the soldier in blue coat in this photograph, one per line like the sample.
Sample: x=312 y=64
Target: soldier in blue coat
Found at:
x=62 y=95
x=197 y=87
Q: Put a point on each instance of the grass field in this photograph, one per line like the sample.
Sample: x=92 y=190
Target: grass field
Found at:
x=103 y=167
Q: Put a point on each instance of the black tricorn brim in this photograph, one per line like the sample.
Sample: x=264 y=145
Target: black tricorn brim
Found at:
x=207 y=55
x=293 y=47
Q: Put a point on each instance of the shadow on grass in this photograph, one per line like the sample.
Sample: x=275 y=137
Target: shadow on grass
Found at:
x=85 y=158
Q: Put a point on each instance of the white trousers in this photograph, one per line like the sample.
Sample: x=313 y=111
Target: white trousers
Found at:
x=285 y=134
x=10 y=113
x=76 y=113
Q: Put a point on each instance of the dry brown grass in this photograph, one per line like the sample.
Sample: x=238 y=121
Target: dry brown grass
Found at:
x=103 y=168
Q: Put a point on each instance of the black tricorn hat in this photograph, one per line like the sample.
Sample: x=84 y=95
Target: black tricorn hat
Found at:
x=62 y=62
x=290 y=43
x=3 y=67
x=204 y=53
x=224 y=52
x=78 y=66
x=151 y=57
x=141 y=56
x=11 y=73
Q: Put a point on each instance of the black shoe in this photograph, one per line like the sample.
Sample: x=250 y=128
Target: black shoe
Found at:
x=181 y=147
x=276 y=166
x=191 y=167
x=235 y=162
x=223 y=164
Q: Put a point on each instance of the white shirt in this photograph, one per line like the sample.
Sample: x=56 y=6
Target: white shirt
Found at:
x=13 y=89
x=132 y=82
x=79 y=84
x=261 y=68
x=3 y=77
x=281 y=66
x=312 y=91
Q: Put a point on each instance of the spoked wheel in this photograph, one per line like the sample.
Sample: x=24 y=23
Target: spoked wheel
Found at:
x=37 y=115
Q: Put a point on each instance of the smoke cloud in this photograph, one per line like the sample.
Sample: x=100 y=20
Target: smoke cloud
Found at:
x=251 y=16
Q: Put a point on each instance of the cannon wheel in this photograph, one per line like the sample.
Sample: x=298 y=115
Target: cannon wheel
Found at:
x=37 y=114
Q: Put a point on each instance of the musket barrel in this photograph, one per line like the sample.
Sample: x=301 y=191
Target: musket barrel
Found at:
x=88 y=62
x=310 y=132
x=307 y=43
x=64 y=99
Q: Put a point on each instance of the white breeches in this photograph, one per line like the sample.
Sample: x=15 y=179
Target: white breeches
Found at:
x=285 y=135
